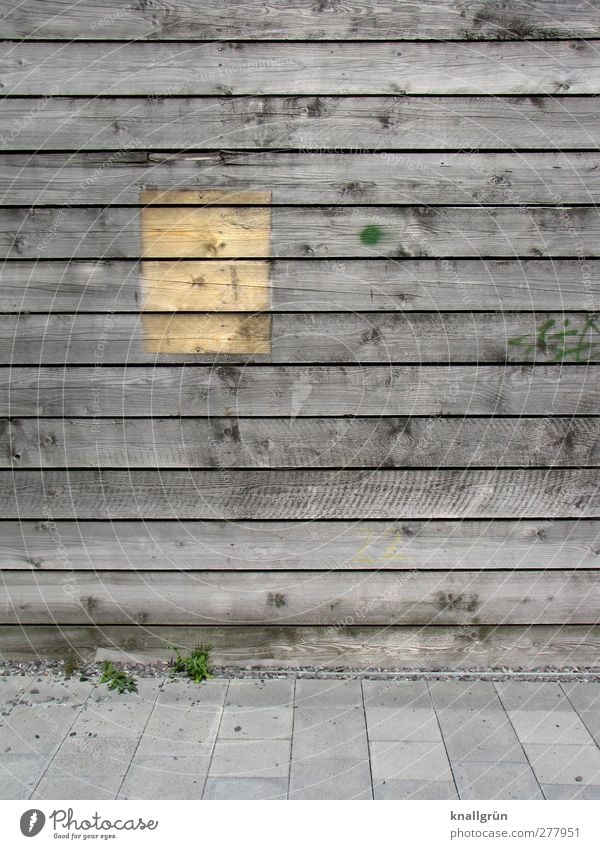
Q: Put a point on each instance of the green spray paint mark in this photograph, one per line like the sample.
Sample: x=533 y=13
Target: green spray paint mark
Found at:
x=577 y=344
x=371 y=234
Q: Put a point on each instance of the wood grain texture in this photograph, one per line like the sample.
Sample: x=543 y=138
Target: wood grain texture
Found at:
x=525 y=67
x=312 y=232
x=309 y=545
x=303 y=178
x=298 y=391
x=279 y=647
x=302 y=598
x=300 y=494
x=302 y=123
x=299 y=443
x=290 y=338
x=254 y=19
x=55 y=286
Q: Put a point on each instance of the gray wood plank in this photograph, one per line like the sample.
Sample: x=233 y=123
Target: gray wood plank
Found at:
x=400 y=647
x=304 y=178
x=263 y=546
x=303 y=123
x=255 y=19
x=525 y=67
x=314 y=494
x=298 y=391
x=297 y=443
x=312 y=232
x=52 y=286
x=302 y=598
x=304 y=338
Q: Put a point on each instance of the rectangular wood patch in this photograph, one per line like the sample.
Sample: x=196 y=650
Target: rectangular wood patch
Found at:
x=207 y=283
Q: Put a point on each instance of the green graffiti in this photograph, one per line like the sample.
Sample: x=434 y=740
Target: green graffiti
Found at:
x=371 y=234
x=575 y=344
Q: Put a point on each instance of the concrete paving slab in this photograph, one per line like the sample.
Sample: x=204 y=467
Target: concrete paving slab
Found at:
x=251 y=759
x=538 y=726
x=56 y=785
x=165 y=777
x=410 y=760
x=395 y=789
x=330 y=733
x=571 y=791
x=267 y=693
x=12 y=690
x=558 y=764
x=113 y=718
x=38 y=729
x=481 y=735
x=256 y=723
x=477 y=780
x=531 y=695
x=174 y=730
x=330 y=693
x=19 y=775
x=459 y=695
x=330 y=778
x=182 y=691
x=246 y=788
x=583 y=696
x=85 y=757
x=413 y=694
x=59 y=690
x=394 y=724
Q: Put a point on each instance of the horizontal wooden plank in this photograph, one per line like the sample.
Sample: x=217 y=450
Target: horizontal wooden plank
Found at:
x=296 y=443
x=302 y=123
x=519 y=67
x=278 y=647
x=300 y=494
x=301 y=598
x=384 y=19
x=300 y=338
x=317 y=286
x=308 y=545
x=303 y=178
x=294 y=391
x=312 y=232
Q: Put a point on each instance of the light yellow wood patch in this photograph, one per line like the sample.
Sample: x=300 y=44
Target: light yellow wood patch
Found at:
x=197 y=280
x=188 y=333
x=184 y=285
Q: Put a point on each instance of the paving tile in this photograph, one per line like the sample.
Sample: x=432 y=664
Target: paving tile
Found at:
x=175 y=730
x=332 y=693
x=330 y=778
x=85 y=757
x=407 y=789
x=413 y=694
x=251 y=759
x=537 y=726
x=266 y=723
x=532 y=695
x=147 y=691
x=330 y=733
x=59 y=690
x=246 y=788
x=267 y=693
x=583 y=695
x=38 y=729
x=591 y=720
x=483 y=735
x=476 y=780
x=19 y=774
x=208 y=693
x=57 y=785
x=402 y=724
x=12 y=690
x=556 y=764
x=165 y=777
x=571 y=791
x=460 y=695
x=412 y=760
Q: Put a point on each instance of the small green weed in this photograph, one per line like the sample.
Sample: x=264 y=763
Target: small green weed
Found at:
x=117 y=679
x=196 y=665
x=69 y=666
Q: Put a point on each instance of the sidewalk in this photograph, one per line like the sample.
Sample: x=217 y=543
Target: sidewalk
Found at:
x=303 y=739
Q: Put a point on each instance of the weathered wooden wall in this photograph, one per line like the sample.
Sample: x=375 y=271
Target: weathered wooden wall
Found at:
x=299 y=346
